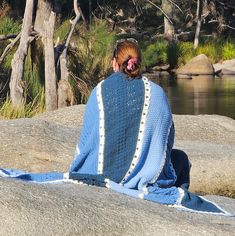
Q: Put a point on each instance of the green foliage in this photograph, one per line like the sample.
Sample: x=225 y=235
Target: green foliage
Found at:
x=228 y=50
x=34 y=85
x=154 y=53
x=174 y=52
x=8 y=59
x=34 y=93
x=96 y=47
x=215 y=50
x=91 y=59
x=7 y=111
x=210 y=50
x=62 y=31
x=9 y=26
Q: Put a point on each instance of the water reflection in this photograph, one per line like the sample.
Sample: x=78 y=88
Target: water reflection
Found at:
x=200 y=95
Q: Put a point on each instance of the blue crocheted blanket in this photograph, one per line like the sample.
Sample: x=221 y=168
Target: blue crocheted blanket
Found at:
x=125 y=145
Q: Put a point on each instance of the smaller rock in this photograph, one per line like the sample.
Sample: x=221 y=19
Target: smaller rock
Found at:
x=225 y=68
x=199 y=65
x=161 y=68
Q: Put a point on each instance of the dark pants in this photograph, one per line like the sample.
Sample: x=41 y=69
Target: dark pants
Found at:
x=182 y=167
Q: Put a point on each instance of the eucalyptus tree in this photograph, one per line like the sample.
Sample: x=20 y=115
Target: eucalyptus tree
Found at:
x=38 y=32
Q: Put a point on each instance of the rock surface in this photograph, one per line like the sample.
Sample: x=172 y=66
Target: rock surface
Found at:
x=199 y=65
x=69 y=209
x=46 y=143
x=225 y=68
x=209 y=141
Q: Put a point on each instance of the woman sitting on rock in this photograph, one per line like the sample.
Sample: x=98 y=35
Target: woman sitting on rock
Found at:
x=127 y=139
x=128 y=133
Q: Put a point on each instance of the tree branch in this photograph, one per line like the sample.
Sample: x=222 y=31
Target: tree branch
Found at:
x=223 y=25
x=176 y=6
x=65 y=93
x=9 y=36
x=8 y=47
x=73 y=23
x=153 y=4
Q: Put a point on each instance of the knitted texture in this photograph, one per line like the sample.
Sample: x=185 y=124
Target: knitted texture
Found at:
x=122 y=121
x=126 y=144
x=87 y=149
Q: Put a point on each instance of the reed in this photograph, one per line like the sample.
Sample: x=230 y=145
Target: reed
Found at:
x=7 y=111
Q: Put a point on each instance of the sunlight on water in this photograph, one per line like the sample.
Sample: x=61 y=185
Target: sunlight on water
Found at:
x=200 y=95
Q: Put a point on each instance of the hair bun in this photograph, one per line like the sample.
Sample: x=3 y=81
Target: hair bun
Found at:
x=128 y=57
x=131 y=63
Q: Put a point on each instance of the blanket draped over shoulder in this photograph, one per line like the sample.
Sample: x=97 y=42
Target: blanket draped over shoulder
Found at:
x=125 y=145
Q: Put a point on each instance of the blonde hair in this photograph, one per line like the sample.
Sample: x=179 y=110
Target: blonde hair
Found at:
x=128 y=56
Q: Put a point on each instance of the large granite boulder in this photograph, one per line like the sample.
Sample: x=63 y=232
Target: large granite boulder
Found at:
x=69 y=209
x=199 y=65
x=46 y=143
x=209 y=141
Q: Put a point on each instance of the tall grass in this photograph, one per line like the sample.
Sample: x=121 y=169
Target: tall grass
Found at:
x=8 y=111
x=228 y=50
x=9 y=26
x=216 y=50
x=62 y=30
x=34 y=84
x=90 y=58
x=95 y=50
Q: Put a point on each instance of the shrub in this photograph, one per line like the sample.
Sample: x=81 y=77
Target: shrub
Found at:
x=210 y=50
x=62 y=31
x=90 y=58
x=174 y=52
x=9 y=26
x=186 y=53
x=154 y=53
x=228 y=50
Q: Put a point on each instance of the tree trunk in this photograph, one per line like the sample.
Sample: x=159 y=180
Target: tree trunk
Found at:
x=44 y=9
x=169 y=29
x=199 y=22
x=65 y=93
x=50 y=75
x=16 y=83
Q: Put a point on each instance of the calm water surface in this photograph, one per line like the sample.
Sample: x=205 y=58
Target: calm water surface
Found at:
x=200 y=95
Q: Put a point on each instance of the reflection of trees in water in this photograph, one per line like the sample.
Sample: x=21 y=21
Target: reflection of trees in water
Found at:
x=201 y=95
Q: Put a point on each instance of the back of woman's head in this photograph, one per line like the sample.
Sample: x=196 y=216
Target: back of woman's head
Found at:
x=128 y=57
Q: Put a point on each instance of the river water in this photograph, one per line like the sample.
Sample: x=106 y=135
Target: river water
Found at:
x=200 y=95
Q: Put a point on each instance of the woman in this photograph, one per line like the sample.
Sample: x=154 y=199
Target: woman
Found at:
x=127 y=139
x=128 y=131
x=128 y=134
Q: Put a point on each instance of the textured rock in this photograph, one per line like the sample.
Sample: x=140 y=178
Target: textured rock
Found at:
x=36 y=145
x=69 y=209
x=46 y=143
x=209 y=141
x=225 y=68
x=199 y=65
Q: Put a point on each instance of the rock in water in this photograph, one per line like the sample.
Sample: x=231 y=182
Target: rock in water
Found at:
x=199 y=65
x=226 y=67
